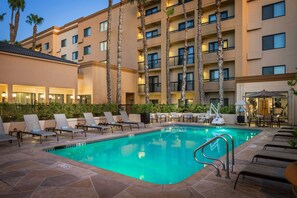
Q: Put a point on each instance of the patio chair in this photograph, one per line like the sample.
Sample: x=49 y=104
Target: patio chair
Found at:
x=275 y=155
x=175 y=116
x=263 y=172
x=5 y=137
x=126 y=119
x=112 y=122
x=91 y=123
x=282 y=145
x=283 y=135
x=161 y=116
x=62 y=125
x=33 y=127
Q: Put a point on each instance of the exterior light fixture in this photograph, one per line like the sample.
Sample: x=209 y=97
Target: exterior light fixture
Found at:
x=14 y=95
x=3 y=94
x=78 y=97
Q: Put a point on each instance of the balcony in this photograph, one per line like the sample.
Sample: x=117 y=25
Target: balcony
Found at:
x=151 y=41
x=212 y=85
x=150 y=18
x=177 y=86
x=153 y=88
x=179 y=35
x=179 y=60
x=152 y=64
x=212 y=57
x=226 y=24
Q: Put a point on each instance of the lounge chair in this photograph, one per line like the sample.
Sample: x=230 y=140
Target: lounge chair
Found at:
x=62 y=125
x=112 y=122
x=126 y=119
x=275 y=155
x=264 y=172
x=283 y=135
x=5 y=137
x=91 y=123
x=33 y=128
x=283 y=145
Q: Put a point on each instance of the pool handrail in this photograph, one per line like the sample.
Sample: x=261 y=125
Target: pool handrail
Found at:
x=225 y=167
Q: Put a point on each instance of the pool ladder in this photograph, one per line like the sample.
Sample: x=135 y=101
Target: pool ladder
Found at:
x=225 y=166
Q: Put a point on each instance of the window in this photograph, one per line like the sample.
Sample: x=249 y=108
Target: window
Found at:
x=87 y=32
x=87 y=50
x=154 y=85
x=181 y=26
x=63 y=43
x=273 y=10
x=75 y=55
x=214 y=74
x=190 y=55
x=215 y=101
x=152 y=34
x=153 y=61
x=272 y=70
x=151 y=11
x=213 y=46
x=46 y=46
x=213 y=17
x=64 y=56
x=103 y=46
x=274 y=41
x=189 y=81
x=181 y=1
x=74 y=39
x=103 y=26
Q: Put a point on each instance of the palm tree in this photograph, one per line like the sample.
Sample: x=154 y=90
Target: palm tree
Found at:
x=119 y=55
x=185 y=60
x=199 y=54
x=168 y=91
x=140 y=7
x=15 y=5
x=220 y=53
x=108 y=78
x=2 y=16
x=34 y=19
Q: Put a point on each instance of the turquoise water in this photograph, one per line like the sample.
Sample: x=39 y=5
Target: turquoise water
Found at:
x=160 y=157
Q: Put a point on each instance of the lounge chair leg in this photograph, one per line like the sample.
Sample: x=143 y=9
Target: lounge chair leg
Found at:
x=41 y=139
x=57 y=137
x=85 y=134
x=236 y=181
x=72 y=135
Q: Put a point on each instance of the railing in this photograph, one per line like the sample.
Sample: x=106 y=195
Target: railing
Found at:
x=177 y=86
x=225 y=166
x=224 y=49
x=153 y=36
x=152 y=64
x=179 y=60
x=151 y=13
x=179 y=30
x=179 y=3
x=217 y=79
x=224 y=19
x=153 y=87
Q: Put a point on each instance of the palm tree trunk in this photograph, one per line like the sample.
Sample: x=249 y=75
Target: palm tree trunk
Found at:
x=34 y=37
x=167 y=61
x=108 y=75
x=119 y=55
x=220 y=54
x=11 y=27
x=183 y=92
x=16 y=26
x=143 y=31
x=199 y=54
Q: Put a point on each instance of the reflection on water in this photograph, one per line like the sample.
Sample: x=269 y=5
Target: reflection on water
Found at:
x=162 y=157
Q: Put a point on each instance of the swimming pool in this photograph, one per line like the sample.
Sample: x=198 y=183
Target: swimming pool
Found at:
x=159 y=157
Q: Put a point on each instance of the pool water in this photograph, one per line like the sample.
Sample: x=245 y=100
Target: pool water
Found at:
x=160 y=157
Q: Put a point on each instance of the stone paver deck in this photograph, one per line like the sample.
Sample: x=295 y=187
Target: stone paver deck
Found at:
x=30 y=172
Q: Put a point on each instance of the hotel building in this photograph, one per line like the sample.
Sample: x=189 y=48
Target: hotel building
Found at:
x=259 y=52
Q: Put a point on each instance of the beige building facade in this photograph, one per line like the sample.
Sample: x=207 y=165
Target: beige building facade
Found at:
x=259 y=52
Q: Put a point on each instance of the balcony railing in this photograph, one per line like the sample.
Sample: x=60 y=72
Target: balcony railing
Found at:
x=224 y=19
x=147 y=38
x=152 y=64
x=179 y=3
x=217 y=79
x=177 y=86
x=179 y=30
x=179 y=60
x=151 y=13
x=153 y=87
x=224 y=49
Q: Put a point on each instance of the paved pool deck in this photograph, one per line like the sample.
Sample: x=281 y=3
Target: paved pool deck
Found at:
x=28 y=171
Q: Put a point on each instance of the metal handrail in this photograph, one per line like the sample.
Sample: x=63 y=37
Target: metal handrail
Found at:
x=225 y=166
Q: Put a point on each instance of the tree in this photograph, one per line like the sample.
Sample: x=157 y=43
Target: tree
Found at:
x=199 y=53
x=140 y=7
x=34 y=19
x=15 y=5
x=119 y=55
x=2 y=16
x=168 y=91
x=185 y=58
x=220 y=53
x=108 y=78
x=293 y=83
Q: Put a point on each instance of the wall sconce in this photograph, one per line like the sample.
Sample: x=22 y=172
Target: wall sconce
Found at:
x=14 y=95
x=50 y=96
x=3 y=96
x=78 y=97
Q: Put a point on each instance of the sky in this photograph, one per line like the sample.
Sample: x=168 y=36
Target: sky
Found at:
x=54 y=12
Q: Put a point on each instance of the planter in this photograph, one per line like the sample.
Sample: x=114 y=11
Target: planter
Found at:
x=240 y=119
x=145 y=118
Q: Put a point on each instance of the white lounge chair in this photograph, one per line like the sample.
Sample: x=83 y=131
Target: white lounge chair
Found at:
x=126 y=119
x=91 y=123
x=5 y=137
x=62 y=125
x=112 y=122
